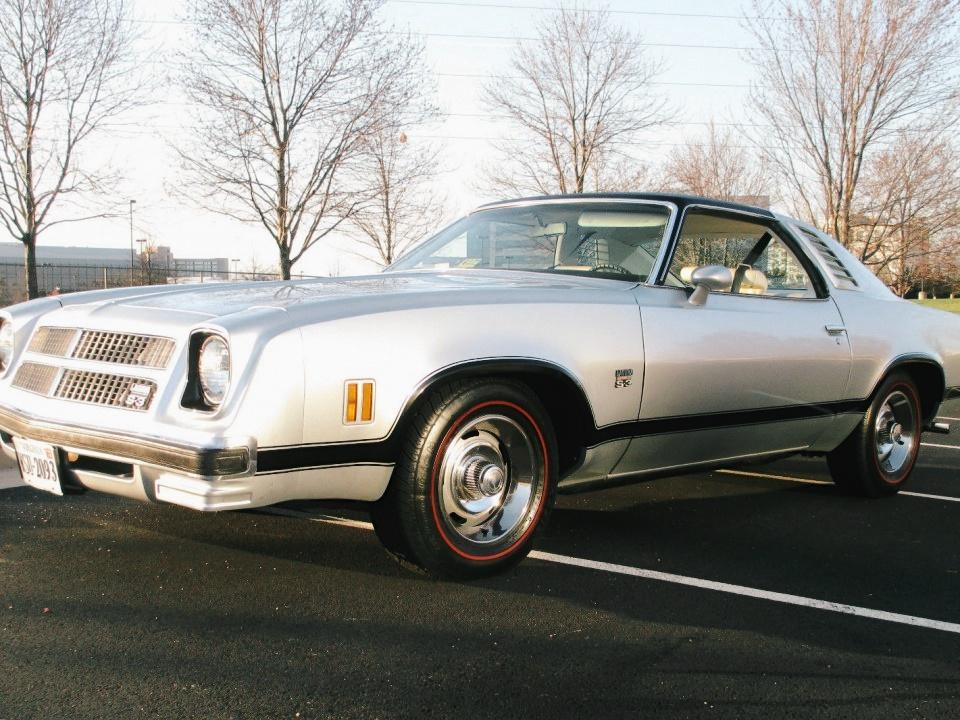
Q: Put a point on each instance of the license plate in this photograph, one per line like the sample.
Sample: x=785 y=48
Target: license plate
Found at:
x=39 y=465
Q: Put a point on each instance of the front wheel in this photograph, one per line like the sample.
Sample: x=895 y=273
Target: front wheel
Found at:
x=476 y=479
x=878 y=457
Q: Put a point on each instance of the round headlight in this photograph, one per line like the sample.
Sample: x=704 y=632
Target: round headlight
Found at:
x=213 y=369
x=6 y=344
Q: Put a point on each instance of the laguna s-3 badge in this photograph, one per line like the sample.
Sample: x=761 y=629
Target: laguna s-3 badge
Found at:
x=623 y=378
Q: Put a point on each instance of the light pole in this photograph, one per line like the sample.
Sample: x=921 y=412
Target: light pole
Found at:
x=132 y=203
x=235 y=261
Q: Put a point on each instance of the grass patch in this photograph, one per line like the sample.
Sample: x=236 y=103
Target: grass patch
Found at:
x=946 y=304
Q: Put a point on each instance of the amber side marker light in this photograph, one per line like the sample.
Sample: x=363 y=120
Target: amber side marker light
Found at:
x=358 y=402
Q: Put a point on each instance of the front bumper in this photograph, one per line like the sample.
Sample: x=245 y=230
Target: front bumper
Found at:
x=207 y=474
x=135 y=449
x=141 y=467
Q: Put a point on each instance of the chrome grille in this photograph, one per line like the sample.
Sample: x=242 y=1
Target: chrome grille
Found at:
x=106 y=389
x=52 y=341
x=124 y=348
x=35 y=377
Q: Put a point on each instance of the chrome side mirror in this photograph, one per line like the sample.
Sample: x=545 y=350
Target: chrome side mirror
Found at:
x=709 y=277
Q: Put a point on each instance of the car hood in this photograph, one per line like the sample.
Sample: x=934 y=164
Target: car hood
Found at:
x=368 y=293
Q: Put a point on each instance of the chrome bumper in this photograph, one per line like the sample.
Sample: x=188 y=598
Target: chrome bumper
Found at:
x=131 y=448
x=202 y=478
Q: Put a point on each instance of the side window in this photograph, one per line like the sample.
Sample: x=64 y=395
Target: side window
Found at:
x=760 y=262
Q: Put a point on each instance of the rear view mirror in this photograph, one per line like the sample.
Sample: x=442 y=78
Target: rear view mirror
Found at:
x=707 y=278
x=716 y=277
x=557 y=228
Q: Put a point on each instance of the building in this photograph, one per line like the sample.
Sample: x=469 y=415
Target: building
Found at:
x=12 y=253
x=899 y=254
x=74 y=268
x=197 y=266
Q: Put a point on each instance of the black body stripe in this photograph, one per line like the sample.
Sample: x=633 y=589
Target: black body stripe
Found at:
x=285 y=459
x=310 y=456
x=689 y=423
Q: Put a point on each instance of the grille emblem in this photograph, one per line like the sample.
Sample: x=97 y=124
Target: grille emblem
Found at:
x=138 y=396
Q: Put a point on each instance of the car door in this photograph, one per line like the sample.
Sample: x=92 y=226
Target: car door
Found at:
x=760 y=367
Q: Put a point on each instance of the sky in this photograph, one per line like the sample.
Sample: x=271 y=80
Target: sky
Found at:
x=706 y=75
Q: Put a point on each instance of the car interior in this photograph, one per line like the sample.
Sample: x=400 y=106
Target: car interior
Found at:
x=761 y=263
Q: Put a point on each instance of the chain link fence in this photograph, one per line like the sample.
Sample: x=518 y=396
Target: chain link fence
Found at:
x=74 y=278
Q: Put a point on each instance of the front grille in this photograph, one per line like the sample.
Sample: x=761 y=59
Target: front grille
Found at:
x=106 y=389
x=124 y=349
x=35 y=377
x=52 y=341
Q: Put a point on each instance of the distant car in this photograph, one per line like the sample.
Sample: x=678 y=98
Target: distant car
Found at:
x=555 y=343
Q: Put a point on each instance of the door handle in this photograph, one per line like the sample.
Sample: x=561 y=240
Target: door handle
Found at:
x=835 y=330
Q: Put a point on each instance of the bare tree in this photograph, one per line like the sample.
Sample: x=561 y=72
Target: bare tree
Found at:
x=404 y=208
x=715 y=165
x=837 y=78
x=616 y=171
x=64 y=73
x=289 y=91
x=577 y=95
x=946 y=272
x=908 y=219
x=257 y=270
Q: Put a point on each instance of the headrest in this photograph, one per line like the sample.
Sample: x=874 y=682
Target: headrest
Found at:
x=754 y=282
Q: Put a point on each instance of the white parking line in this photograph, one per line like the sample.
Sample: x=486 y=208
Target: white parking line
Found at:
x=700 y=583
x=750 y=592
x=809 y=481
x=330 y=519
x=939 y=445
x=768 y=476
x=944 y=417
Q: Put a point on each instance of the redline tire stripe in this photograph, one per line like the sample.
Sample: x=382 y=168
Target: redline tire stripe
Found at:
x=436 y=469
x=915 y=409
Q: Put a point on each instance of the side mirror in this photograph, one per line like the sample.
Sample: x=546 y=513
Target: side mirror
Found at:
x=709 y=277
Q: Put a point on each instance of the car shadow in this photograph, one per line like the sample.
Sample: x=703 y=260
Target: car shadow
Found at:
x=803 y=539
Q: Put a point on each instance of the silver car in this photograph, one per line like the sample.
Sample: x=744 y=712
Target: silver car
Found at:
x=535 y=346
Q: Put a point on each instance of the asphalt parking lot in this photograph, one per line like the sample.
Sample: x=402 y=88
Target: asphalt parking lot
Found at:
x=752 y=592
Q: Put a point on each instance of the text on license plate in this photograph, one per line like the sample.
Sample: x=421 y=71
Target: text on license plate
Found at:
x=38 y=465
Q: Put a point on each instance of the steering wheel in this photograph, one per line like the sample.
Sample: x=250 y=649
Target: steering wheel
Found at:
x=611 y=268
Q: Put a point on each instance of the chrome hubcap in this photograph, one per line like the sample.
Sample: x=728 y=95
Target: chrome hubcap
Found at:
x=895 y=432
x=488 y=479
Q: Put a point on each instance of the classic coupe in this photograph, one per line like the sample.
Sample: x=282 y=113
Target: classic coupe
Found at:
x=535 y=346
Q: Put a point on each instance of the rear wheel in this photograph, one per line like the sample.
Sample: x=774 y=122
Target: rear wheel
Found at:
x=476 y=480
x=878 y=457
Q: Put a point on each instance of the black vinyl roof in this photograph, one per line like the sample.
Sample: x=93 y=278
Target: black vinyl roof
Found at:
x=680 y=200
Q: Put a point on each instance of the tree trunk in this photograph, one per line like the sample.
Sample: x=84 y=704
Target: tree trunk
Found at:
x=30 y=264
x=285 y=264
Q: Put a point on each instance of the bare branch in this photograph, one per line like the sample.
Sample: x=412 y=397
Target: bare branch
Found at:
x=402 y=209
x=908 y=213
x=838 y=81
x=716 y=166
x=291 y=90
x=576 y=95
x=64 y=74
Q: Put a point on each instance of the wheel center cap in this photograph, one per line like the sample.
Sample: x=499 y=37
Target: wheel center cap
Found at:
x=896 y=432
x=492 y=480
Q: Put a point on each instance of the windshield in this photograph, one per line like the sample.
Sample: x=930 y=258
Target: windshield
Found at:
x=618 y=240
